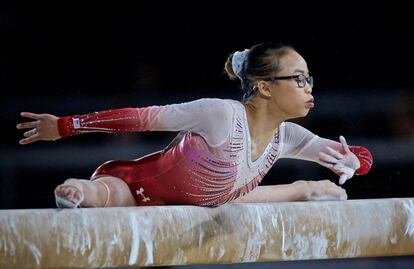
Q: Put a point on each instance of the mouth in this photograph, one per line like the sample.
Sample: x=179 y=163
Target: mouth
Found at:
x=310 y=103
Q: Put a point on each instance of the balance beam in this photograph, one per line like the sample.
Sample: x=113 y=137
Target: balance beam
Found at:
x=182 y=235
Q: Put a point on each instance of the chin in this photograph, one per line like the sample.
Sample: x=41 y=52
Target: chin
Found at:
x=298 y=116
x=304 y=113
x=299 y=113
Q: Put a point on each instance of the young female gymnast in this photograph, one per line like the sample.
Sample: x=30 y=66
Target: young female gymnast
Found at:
x=224 y=149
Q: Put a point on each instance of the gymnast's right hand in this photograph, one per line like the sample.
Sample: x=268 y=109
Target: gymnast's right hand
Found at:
x=44 y=127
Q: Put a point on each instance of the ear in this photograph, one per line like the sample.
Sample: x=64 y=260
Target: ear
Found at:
x=263 y=88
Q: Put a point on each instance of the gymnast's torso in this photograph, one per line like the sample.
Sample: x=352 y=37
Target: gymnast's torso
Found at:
x=190 y=171
x=208 y=164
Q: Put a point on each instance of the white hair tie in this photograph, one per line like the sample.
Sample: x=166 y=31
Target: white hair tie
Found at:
x=239 y=57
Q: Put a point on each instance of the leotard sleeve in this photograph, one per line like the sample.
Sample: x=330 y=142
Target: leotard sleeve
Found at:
x=300 y=143
x=209 y=117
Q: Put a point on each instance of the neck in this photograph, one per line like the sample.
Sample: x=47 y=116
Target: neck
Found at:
x=262 y=119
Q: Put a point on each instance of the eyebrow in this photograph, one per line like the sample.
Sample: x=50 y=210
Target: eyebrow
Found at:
x=300 y=71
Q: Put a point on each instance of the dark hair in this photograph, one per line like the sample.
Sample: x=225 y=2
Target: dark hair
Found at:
x=261 y=63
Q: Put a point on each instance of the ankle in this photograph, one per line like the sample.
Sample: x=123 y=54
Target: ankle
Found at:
x=104 y=192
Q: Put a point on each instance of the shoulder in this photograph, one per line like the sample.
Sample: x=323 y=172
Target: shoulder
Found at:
x=216 y=106
x=288 y=124
x=295 y=132
x=216 y=101
x=291 y=126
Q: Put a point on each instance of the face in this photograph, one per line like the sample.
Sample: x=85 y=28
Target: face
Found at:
x=288 y=97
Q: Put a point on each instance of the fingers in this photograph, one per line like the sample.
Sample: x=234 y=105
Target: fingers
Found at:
x=30 y=124
x=342 y=179
x=342 y=195
x=327 y=158
x=27 y=125
x=325 y=190
x=335 y=153
x=344 y=144
x=326 y=164
x=344 y=172
x=337 y=192
x=30 y=139
x=31 y=115
x=30 y=133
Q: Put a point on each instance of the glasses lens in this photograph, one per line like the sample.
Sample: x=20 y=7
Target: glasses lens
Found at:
x=301 y=80
x=309 y=80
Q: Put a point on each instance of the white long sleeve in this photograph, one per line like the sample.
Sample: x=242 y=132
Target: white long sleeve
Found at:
x=210 y=117
x=300 y=143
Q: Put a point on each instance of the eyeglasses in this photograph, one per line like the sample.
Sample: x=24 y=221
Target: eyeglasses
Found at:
x=300 y=80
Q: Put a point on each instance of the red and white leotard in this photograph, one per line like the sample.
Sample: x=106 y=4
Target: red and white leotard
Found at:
x=209 y=163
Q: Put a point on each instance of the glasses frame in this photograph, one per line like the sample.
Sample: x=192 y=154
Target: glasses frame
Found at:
x=300 y=79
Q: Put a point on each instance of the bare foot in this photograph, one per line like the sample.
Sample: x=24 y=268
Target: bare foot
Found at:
x=71 y=190
x=324 y=190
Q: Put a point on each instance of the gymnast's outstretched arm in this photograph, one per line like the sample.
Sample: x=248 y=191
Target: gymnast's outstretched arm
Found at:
x=297 y=191
x=344 y=160
x=198 y=116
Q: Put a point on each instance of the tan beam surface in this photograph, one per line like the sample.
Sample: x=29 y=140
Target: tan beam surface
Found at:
x=233 y=233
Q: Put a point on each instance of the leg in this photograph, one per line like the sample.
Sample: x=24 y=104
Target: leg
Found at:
x=119 y=192
x=104 y=191
x=298 y=191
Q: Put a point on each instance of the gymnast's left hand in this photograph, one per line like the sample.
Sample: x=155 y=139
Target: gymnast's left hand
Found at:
x=343 y=164
x=44 y=127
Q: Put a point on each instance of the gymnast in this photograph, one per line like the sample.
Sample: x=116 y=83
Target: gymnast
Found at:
x=223 y=149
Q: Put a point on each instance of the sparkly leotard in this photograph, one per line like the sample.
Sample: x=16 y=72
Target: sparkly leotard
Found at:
x=209 y=162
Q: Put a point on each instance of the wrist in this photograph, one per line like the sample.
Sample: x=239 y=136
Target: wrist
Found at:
x=365 y=159
x=302 y=190
x=65 y=126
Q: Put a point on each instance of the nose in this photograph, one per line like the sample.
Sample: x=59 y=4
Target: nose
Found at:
x=308 y=88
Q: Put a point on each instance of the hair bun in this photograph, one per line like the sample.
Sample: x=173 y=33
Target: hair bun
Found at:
x=239 y=57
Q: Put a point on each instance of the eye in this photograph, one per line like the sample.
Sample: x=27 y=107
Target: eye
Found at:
x=300 y=78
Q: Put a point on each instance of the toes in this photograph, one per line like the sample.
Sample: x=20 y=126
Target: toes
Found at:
x=76 y=196
x=69 y=193
x=60 y=191
x=69 y=196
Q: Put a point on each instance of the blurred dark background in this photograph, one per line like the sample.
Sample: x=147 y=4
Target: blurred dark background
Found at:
x=75 y=58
